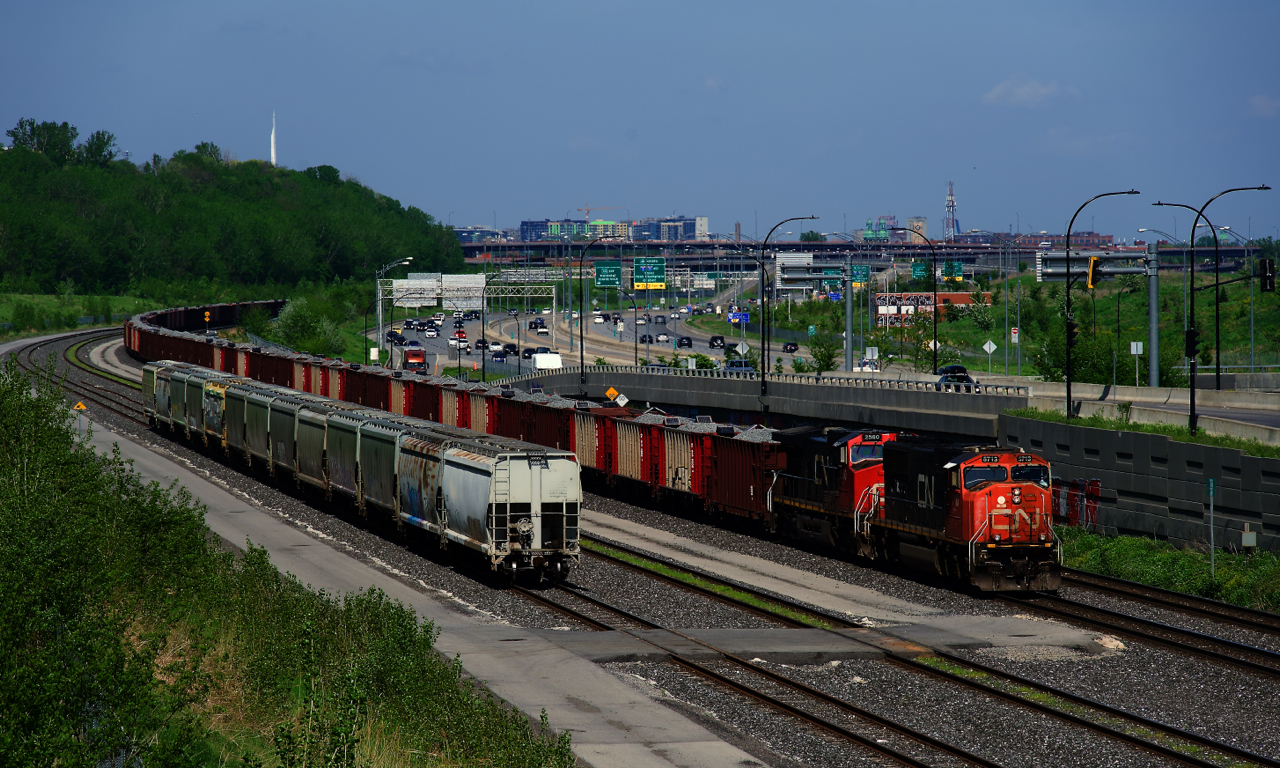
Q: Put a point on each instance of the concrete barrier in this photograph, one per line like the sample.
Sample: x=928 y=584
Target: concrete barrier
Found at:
x=891 y=404
x=1154 y=486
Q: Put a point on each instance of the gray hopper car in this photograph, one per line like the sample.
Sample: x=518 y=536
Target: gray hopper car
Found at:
x=511 y=502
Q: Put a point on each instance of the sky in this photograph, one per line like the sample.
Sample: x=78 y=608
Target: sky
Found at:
x=485 y=113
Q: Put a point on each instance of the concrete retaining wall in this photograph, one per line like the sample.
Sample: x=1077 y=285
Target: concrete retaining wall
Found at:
x=874 y=402
x=1154 y=486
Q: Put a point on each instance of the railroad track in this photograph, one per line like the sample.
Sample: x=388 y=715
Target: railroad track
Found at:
x=121 y=406
x=1161 y=739
x=807 y=704
x=1218 y=649
x=1248 y=618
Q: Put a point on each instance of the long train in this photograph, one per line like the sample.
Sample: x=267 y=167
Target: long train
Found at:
x=979 y=514
x=513 y=503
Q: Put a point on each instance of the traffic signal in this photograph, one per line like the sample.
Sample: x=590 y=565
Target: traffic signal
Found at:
x=1268 y=275
x=206 y=317
x=1193 y=343
x=1073 y=333
x=1094 y=277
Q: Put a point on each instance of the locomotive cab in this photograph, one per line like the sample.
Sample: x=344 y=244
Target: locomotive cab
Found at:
x=999 y=502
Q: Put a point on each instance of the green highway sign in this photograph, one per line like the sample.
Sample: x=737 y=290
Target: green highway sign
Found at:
x=861 y=273
x=952 y=269
x=650 y=273
x=608 y=274
x=919 y=270
x=832 y=272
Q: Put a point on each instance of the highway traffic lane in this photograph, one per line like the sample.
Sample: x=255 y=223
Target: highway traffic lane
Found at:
x=611 y=723
x=1261 y=418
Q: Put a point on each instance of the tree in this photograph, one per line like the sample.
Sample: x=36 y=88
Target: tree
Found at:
x=812 y=237
x=53 y=140
x=100 y=149
x=824 y=346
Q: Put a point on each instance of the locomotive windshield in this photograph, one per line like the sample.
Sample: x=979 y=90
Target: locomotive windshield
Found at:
x=861 y=452
x=975 y=476
x=1030 y=473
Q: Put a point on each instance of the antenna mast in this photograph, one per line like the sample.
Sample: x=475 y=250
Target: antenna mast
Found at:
x=950 y=221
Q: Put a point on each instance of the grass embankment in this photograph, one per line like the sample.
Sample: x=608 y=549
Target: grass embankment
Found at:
x=1171 y=431
x=131 y=638
x=1252 y=581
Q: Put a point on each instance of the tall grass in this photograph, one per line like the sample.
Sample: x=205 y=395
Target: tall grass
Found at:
x=1252 y=581
x=130 y=636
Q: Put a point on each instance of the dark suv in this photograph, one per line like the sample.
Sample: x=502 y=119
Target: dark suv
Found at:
x=717 y=342
x=685 y=342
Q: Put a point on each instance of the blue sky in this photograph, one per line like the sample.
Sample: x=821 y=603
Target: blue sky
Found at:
x=739 y=111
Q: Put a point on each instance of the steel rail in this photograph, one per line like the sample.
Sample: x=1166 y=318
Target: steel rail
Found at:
x=1249 y=618
x=1114 y=623
x=760 y=695
x=126 y=410
x=909 y=662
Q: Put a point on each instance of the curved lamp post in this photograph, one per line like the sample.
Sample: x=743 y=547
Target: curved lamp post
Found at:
x=937 y=311
x=764 y=317
x=1248 y=252
x=378 y=274
x=1069 y=281
x=1191 y=366
x=636 y=334
x=582 y=314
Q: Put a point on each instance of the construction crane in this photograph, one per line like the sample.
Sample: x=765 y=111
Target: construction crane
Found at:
x=587 y=209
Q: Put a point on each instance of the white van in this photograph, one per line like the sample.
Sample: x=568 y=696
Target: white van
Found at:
x=547 y=361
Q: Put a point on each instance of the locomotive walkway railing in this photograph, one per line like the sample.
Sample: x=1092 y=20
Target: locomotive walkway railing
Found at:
x=792 y=378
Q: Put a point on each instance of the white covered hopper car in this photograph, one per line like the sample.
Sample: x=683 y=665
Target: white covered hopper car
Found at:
x=514 y=503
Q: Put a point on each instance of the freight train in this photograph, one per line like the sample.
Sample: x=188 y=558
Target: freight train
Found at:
x=894 y=498
x=513 y=503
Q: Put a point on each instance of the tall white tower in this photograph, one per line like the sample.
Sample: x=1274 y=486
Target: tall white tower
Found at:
x=273 y=137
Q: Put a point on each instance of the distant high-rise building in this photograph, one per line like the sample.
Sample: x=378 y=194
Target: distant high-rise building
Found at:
x=919 y=224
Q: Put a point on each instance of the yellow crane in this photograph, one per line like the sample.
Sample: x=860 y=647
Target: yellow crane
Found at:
x=587 y=209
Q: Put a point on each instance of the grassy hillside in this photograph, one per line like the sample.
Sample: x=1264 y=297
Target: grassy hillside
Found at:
x=198 y=225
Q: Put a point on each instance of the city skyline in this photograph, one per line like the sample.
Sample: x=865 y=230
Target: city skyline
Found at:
x=742 y=112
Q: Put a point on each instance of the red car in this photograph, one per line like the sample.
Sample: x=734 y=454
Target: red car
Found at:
x=459 y=334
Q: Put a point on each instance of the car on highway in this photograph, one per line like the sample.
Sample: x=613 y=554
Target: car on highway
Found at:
x=414 y=343
x=459 y=334
x=739 y=366
x=513 y=312
x=617 y=316
x=457 y=314
x=395 y=337
x=640 y=320
x=542 y=351
x=495 y=346
x=685 y=342
x=717 y=342
x=527 y=353
x=499 y=357
x=510 y=348
x=646 y=338
x=459 y=324
x=684 y=310
x=457 y=342
x=663 y=338
x=544 y=330
x=431 y=333
x=546 y=311
x=480 y=345
x=599 y=320
x=660 y=319
x=790 y=347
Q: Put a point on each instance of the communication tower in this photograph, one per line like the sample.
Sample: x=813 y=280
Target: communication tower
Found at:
x=949 y=224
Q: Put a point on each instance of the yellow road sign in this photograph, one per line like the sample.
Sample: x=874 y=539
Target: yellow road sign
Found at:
x=611 y=393
x=80 y=407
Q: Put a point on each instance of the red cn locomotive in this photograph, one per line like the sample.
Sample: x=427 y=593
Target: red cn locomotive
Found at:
x=981 y=514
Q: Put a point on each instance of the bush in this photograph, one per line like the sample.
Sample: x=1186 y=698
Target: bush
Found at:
x=125 y=630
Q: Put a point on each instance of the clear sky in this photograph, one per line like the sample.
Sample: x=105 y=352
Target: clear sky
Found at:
x=740 y=111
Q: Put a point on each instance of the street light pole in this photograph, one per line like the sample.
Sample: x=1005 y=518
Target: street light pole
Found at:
x=1069 y=281
x=1248 y=254
x=764 y=317
x=936 y=308
x=582 y=314
x=377 y=293
x=634 y=333
x=1191 y=366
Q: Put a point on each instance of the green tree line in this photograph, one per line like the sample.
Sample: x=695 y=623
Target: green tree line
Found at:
x=77 y=212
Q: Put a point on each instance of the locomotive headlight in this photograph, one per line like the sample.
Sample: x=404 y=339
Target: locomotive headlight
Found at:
x=996 y=537
x=1000 y=501
x=1017 y=495
x=1042 y=537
